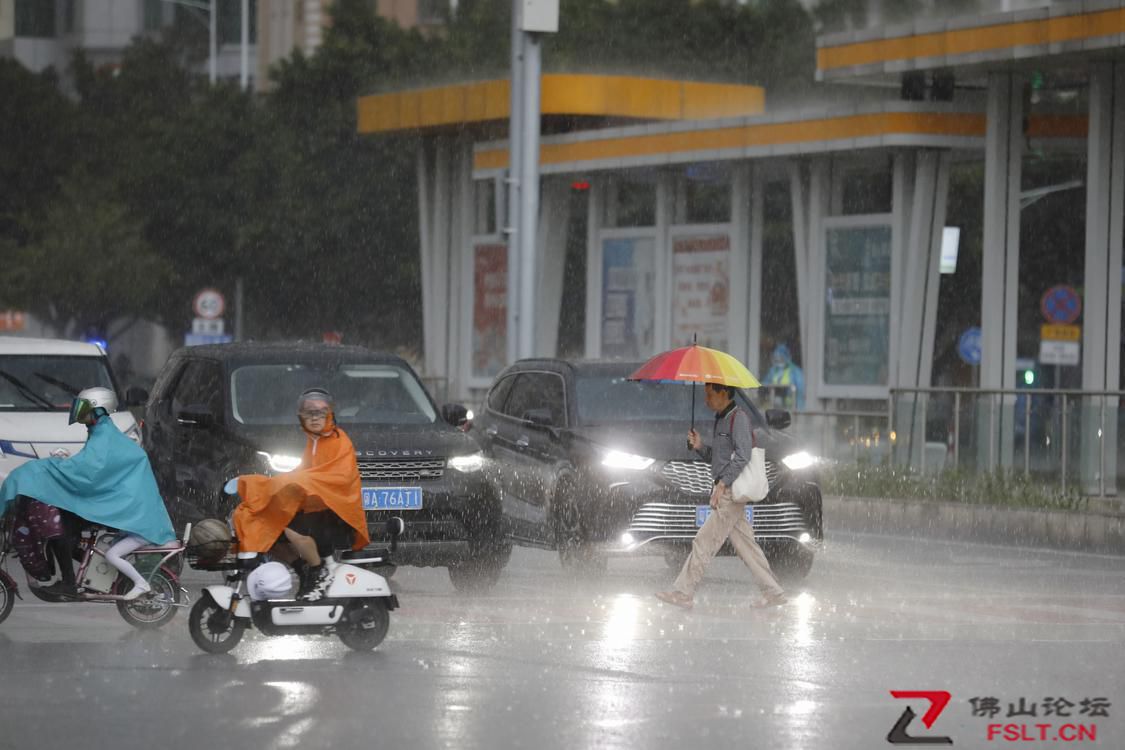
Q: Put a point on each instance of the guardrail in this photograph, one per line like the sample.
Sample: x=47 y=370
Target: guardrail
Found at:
x=1063 y=435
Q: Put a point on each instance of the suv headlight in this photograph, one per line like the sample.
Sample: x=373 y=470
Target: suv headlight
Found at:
x=134 y=433
x=621 y=460
x=280 y=462
x=798 y=461
x=467 y=464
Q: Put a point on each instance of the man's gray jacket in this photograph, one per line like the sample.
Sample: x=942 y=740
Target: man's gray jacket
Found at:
x=731 y=442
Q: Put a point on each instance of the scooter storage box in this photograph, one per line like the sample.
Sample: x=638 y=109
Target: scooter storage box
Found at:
x=100 y=575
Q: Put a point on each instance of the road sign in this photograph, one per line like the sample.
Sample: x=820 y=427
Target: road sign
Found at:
x=197 y=339
x=207 y=327
x=1066 y=353
x=1060 y=332
x=1061 y=304
x=968 y=346
x=12 y=320
x=209 y=304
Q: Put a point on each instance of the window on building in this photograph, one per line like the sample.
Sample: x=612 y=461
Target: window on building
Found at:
x=866 y=188
x=432 y=12
x=631 y=200
x=35 y=18
x=484 y=207
x=154 y=15
x=69 y=12
x=703 y=194
x=230 y=21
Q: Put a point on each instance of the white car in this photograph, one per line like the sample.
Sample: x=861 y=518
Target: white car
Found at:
x=38 y=380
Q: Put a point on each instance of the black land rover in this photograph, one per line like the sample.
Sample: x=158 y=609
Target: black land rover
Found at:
x=594 y=464
x=216 y=412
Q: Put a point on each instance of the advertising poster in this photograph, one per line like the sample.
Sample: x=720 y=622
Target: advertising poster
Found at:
x=628 y=289
x=490 y=309
x=857 y=314
x=700 y=290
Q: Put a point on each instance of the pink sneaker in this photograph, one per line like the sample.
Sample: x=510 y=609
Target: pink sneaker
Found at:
x=676 y=598
x=770 y=600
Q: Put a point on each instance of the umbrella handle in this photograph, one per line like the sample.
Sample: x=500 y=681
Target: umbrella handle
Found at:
x=689 y=445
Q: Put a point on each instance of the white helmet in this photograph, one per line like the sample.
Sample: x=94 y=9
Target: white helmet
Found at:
x=90 y=399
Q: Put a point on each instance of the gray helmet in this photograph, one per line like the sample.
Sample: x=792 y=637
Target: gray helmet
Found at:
x=316 y=394
x=90 y=399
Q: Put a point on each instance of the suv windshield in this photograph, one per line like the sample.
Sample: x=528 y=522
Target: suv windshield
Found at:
x=364 y=394
x=47 y=383
x=607 y=399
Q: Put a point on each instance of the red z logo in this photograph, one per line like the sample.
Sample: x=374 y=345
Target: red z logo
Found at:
x=938 y=700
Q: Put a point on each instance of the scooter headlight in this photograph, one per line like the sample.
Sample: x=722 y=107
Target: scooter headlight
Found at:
x=280 y=462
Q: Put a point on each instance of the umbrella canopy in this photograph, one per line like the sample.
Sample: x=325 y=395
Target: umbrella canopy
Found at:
x=697 y=364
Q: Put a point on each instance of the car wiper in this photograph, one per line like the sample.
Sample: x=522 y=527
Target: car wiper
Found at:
x=57 y=383
x=26 y=391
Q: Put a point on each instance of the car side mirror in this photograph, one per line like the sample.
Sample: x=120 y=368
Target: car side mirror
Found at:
x=196 y=415
x=455 y=414
x=778 y=419
x=539 y=417
x=135 y=396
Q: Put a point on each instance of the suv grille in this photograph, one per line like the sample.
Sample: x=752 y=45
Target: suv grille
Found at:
x=678 y=521
x=695 y=476
x=398 y=470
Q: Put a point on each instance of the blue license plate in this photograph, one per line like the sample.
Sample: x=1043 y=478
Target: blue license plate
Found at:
x=702 y=511
x=392 y=498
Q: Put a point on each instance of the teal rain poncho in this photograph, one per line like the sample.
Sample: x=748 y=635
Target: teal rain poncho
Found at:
x=108 y=482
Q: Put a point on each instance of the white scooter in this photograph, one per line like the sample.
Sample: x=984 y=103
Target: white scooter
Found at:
x=356 y=605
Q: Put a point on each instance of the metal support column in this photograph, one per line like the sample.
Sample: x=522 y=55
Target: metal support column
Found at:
x=244 y=48
x=529 y=193
x=738 y=314
x=1101 y=332
x=512 y=228
x=757 y=222
x=551 y=262
x=1000 y=271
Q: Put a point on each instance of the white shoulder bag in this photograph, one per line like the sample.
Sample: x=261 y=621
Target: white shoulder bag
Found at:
x=752 y=484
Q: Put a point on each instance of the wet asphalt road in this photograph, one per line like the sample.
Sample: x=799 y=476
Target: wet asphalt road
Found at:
x=546 y=661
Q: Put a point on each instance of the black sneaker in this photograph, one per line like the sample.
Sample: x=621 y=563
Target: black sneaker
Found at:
x=319 y=579
x=305 y=580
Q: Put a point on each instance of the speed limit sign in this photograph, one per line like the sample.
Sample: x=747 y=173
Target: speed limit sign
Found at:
x=209 y=304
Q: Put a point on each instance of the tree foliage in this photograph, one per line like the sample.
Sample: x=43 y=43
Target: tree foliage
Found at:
x=163 y=184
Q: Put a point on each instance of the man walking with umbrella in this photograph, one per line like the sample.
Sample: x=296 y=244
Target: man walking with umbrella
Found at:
x=728 y=453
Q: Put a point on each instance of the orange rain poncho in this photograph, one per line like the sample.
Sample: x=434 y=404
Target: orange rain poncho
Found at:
x=327 y=479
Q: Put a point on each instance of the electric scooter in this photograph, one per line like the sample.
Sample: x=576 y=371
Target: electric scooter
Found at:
x=356 y=605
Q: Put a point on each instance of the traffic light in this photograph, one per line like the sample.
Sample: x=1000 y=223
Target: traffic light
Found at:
x=1028 y=377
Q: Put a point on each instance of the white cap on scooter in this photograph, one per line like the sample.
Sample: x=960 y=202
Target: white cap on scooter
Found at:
x=269 y=581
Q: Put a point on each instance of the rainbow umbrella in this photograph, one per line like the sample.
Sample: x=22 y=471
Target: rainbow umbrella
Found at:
x=696 y=364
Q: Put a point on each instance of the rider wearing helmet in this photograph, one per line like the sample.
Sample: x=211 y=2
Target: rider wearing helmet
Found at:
x=318 y=507
x=108 y=482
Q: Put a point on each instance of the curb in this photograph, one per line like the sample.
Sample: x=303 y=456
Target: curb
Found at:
x=1074 y=531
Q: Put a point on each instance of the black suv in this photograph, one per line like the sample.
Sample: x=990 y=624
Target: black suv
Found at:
x=593 y=464
x=216 y=412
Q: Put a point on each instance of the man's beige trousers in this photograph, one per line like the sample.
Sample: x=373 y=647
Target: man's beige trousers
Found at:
x=728 y=520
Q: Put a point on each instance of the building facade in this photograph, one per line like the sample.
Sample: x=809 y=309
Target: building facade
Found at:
x=657 y=228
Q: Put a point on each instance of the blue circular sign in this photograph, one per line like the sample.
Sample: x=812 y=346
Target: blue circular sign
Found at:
x=1061 y=304
x=968 y=346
